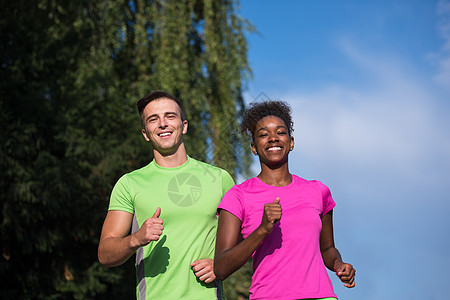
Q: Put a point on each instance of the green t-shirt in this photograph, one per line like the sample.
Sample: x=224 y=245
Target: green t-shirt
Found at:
x=188 y=196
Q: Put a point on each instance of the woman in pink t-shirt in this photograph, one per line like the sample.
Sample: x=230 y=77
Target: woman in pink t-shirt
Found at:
x=286 y=221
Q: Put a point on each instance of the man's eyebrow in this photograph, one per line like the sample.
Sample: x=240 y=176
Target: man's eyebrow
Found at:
x=166 y=113
x=151 y=116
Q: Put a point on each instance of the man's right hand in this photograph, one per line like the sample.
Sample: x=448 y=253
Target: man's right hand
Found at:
x=150 y=230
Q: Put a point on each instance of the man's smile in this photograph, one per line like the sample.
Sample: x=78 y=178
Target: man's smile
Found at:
x=165 y=134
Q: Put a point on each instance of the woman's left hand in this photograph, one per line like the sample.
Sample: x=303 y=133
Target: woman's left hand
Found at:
x=345 y=272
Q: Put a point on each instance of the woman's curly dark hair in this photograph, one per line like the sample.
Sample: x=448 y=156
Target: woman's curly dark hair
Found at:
x=259 y=110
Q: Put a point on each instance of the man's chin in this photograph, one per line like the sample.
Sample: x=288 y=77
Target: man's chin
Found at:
x=166 y=151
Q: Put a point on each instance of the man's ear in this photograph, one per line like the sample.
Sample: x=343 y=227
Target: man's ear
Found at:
x=185 y=126
x=144 y=133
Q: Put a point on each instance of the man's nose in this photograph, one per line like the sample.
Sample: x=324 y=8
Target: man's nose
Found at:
x=162 y=123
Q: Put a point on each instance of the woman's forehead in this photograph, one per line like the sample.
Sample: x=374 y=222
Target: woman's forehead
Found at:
x=270 y=120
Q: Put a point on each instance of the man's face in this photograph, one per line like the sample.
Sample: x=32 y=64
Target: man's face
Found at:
x=163 y=126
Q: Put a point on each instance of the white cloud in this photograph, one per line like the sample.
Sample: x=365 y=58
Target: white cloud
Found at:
x=392 y=128
x=442 y=58
x=443 y=7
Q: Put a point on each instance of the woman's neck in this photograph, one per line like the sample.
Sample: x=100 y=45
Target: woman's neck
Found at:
x=279 y=176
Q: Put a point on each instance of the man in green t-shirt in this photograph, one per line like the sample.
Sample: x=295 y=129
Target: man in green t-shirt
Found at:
x=170 y=207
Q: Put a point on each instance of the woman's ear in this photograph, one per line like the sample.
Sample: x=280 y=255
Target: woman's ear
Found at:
x=255 y=152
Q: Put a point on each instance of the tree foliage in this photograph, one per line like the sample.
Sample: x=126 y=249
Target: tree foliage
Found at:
x=70 y=74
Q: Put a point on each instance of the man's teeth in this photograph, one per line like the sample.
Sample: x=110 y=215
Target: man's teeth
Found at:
x=165 y=134
x=274 y=148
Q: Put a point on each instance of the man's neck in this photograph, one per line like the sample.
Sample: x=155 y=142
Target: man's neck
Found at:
x=173 y=160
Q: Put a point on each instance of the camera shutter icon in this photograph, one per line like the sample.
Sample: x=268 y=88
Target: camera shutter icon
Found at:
x=184 y=189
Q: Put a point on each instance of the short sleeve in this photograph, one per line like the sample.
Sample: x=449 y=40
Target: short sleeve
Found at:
x=227 y=181
x=120 y=196
x=327 y=200
x=232 y=202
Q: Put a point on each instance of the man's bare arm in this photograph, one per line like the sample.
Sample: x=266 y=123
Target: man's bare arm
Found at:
x=116 y=245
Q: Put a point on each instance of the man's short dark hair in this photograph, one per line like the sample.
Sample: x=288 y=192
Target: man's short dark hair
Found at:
x=142 y=103
x=259 y=110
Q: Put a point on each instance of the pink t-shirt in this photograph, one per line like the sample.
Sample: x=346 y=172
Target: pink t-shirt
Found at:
x=288 y=263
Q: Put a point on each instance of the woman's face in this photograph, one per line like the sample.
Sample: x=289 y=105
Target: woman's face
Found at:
x=271 y=141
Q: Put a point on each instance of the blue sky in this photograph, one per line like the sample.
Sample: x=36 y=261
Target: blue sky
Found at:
x=369 y=84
